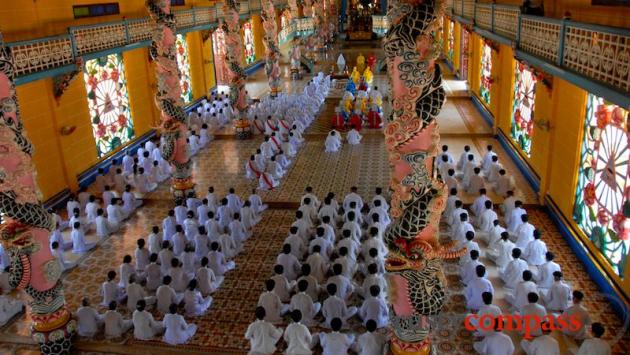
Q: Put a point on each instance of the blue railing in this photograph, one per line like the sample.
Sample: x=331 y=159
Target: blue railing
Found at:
x=44 y=57
x=592 y=56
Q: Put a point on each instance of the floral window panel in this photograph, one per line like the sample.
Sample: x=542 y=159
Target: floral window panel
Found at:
x=284 y=25
x=183 y=63
x=451 y=40
x=108 y=103
x=219 y=51
x=602 y=209
x=248 y=39
x=486 y=73
x=523 y=107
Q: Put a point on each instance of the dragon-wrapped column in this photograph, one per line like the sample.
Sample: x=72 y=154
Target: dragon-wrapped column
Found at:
x=168 y=98
x=236 y=74
x=413 y=265
x=27 y=225
x=272 y=51
x=295 y=53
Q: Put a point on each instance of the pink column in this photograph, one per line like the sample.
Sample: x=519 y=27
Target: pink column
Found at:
x=272 y=52
x=27 y=225
x=413 y=264
x=168 y=98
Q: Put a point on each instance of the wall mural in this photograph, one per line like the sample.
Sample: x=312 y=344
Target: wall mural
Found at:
x=219 y=52
x=108 y=103
x=602 y=207
x=183 y=64
x=248 y=40
x=523 y=107
x=485 y=84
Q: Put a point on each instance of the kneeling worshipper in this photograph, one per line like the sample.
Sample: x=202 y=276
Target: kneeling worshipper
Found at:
x=144 y=326
x=115 y=324
x=338 y=121
x=252 y=170
x=333 y=142
x=9 y=307
x=266 y=182
x=298 y=337
x=262 y=335
x=354 y=137
x=335 y=342
x=89 y=321
x=374 y=117
x=195 y=303
x=176 y=330
x=79 y=244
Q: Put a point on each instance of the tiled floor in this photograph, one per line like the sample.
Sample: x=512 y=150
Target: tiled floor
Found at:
x=222 y=166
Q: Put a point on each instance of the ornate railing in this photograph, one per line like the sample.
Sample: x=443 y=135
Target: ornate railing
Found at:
x=599 y=53
x=304 y=26
x=42 y=54
x=96 y=38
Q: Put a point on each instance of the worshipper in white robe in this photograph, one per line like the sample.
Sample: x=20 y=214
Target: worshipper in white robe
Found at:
x=595 y=345
x=272 y=304
x=145 y=327
x=297 y=243
x=579 y=315
x=297 y=336
x=201 y=243
x=289 y=262
x=89 y=322
x=165 y=255
x=282 y=159
x=373 y=241
x=107 y=196
x=559 y=295
x=267 y=182
x=142 y=256
x=110 y=290
x=544 y=274
x=450 y=180
x=455 y=216
x=72 y=204
x=353 y=136
x=218 y=262
x=154 y=240
x=83 y=197
x=238 y=232
x=543 y=344
x=282 y=286
x=130 y=203
x=195 y=303
x=533 y=313
x=463 y=158
x=535 y=250
x=319 y=266
x=444 y=166
x=487 y=158
x=485 y=220
x=191 y=226
x=90 y=209
x=180 y=212
x=462 y=229
x=55 y=236
x=468 y=271
x=256 y=203
x=470 y=244
x=450 y=204
x=204 y=136
x=502 y=251
x=153 y=273
x=166 y=295
x=156 y=173
x=126 y=269
x=143 y=181
x=79 y=244
x=492 y=173
x=101 y=180
x=252 y=170
x=207 y=281
x=334 y=342
x=468 y=170
x=348 y=262
x=344 y=284
x=504 y=183
x=136 y=292
x=495 y=342
x=494 y=235
x=193 y=144
x=9 y=307
x=312 y=287
x=518 y=298
x=275 y=169
x=333 y=142
x=524 y=233
x=513 y=271
x=178 y=240
x=304 y=303
x=103 y=229
x=370 y=342
x=267 y=148
x=476 y=288
x=59 y=255
x=484 y=325
x=262 y=335
x=374 y=308
x=335 y=307
x=475 y=182
x=115 y=214
x=515 y=219
x=168 y=225
x=178 y=275
x=508 y=205
x=372 y=278
x=115 y=324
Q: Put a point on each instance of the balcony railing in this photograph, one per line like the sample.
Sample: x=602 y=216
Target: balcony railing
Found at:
x=599 y=53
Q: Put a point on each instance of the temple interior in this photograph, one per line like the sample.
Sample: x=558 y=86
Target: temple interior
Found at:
x=457 y=170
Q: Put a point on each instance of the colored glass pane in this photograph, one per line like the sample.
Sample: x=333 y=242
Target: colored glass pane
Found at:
x=451 y=41
x=523 y=107
x=248 y=40
x=108 y=103
x=486 y=73
x=602 y=209
x=219 y=51
x=183 y=63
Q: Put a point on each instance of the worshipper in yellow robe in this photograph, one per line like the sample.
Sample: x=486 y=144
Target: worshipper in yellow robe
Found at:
x=361 y=63
x=368 y=76
x=355 y=76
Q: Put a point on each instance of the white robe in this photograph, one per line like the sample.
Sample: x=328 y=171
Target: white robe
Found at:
x=594 y=346
x=542 y=345
x=299 y=339
x=273 y=306
x=267 y=182
x=495 y=343
x=473 y=292
x=79 y=244
x=263 y=337
x=333 y=143
x=195 y=304
x=304 y=303
x=115 y=325
x=88 y=321
x=376 y=309
x=335 y=307
x=177 y=331
x=354 y=137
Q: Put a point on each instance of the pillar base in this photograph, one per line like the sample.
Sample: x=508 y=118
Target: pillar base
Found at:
x=242 y=129
x=56 y=342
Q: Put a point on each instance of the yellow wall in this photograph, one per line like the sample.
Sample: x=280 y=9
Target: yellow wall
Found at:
x=457 y=46
x=140 y=84
x=259 y=46
x=208 y=64
x=474 y=72
x=195 y=49
x=501 y=92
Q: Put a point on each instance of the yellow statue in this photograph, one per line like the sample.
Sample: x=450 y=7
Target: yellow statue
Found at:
x=368 y=76
x=361 y=62
x=355 y=76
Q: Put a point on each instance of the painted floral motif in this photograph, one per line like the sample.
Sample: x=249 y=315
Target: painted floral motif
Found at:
x=108 y=103
x=602 y=208
x=523 y=107
x=219 y=52
x=183 y=63
x=248 y=40
x=486 y=73
x=451 y=41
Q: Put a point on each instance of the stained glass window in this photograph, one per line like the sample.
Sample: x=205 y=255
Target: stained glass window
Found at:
x=523 y=107
x=285 y=18
x=248 y=39
x=602 y=208
x=451 y=40
x=218 y=49
x=183 y=62
x=486 y=73
x=108 y=103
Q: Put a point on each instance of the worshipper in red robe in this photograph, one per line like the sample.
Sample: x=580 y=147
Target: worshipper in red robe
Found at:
x=355 y=120
x=371 y=61
x=374 y=119
x=337 y=120
x=363 y=85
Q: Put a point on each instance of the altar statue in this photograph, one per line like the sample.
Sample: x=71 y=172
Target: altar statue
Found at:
x=361 y=63
x=341 y=63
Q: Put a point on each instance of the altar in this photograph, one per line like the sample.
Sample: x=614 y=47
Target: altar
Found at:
x=360 y=15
